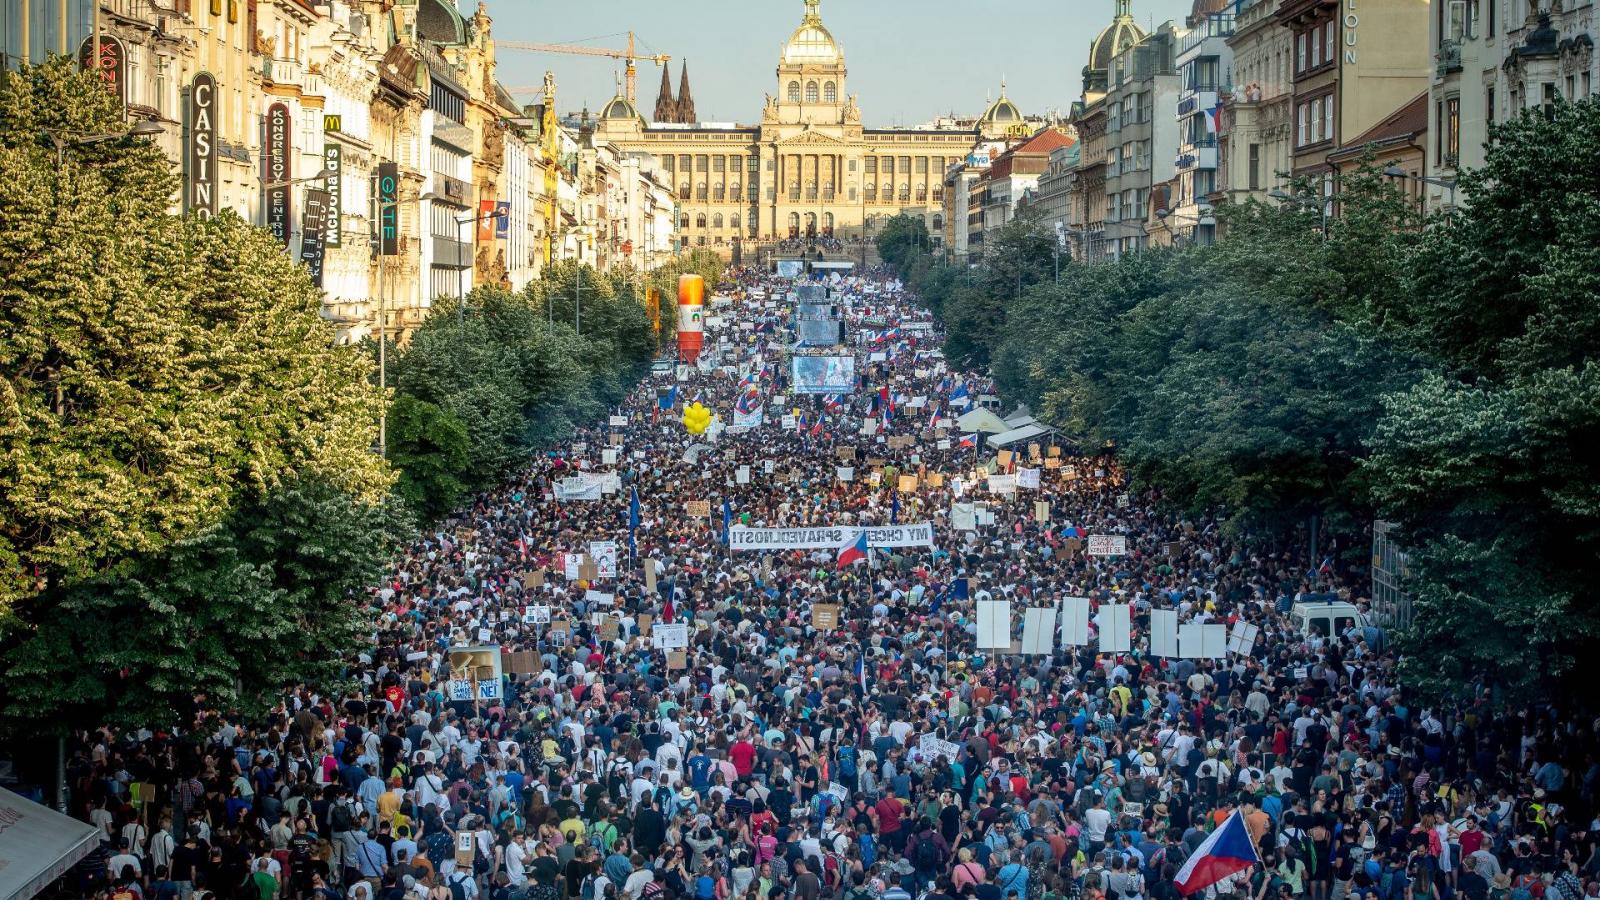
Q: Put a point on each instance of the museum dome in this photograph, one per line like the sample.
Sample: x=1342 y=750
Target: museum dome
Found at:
x=1121 y=34
x=812 y=44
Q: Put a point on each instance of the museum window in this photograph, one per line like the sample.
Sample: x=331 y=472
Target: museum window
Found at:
x=733 y=191
x=733 y=221
x=872 y=193
x=717 y=193
x=922 y=193
x=683 y=191
x=938 y=193
x=905 y=193
x=830 y=93
x=794 y=92
x=827 y=224
x=716 y=221
x=852 y=195
x=794 y=190
x=702 y=163
x=811 y=92
x=700 y=221
x=700 y=191
x=871 y=165
x=938 y=223
x=719 y=165
x=827 y=190
x=811 y=190
x=888 y=165
x=683 y=221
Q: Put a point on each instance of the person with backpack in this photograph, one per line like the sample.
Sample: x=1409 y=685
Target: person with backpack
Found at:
x=927 y=852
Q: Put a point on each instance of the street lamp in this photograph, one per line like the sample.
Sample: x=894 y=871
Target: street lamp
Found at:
x=1321 y=203
x=383 y=318
x=62 y=140
x=1448 y=184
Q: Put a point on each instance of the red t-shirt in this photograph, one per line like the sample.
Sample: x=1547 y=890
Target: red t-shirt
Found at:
x=396 y=695
x=889 y=810
x=743 y=756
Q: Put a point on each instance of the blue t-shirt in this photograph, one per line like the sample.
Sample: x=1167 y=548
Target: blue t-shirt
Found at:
x=700 y=771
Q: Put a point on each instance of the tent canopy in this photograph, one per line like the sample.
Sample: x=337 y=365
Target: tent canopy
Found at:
x=981 y=420
x=1024 y=433
x=38 y=845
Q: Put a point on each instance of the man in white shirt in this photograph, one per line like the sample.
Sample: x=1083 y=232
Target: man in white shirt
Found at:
x=516 y=861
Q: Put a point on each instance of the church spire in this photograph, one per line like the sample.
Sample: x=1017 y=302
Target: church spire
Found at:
x=666 y=107
x=686 y=113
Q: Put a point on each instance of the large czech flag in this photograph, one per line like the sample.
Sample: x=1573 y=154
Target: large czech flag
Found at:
x=1228 y=850
x=853 y=550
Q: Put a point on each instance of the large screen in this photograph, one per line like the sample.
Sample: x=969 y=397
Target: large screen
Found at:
x=790 y=268
x=823 y=374
x=816 y=325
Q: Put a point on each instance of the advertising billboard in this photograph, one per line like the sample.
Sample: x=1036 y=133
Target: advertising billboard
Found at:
x=823 y=374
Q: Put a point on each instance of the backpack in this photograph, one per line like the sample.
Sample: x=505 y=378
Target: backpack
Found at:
x=341 y=818
x=440 y=847
x=457 y=891
x=617 y=783
x=847 y=762
x=927 y=853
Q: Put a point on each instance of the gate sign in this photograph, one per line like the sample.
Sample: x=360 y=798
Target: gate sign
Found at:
x=200 y=194
x=1108 y=545
x=277 y=171
x=388 y=208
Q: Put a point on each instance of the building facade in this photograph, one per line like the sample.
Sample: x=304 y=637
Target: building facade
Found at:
x=1254 y=152
x=1141 y=134
x=809 y=168
x=1205 y=69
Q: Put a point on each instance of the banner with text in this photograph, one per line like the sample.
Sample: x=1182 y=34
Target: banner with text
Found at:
x=914 y=535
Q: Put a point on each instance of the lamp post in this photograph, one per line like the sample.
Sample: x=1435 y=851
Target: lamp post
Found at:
x=1321 y=203
x=383 y=318
x=62 y=140
x=1448 y=184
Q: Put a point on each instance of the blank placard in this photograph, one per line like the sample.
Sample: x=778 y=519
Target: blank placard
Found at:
x=1075 y=621
x=994 y=624
x=1164 y=633
x=1243 y=638
x=1038 y=631
x=1116 y=628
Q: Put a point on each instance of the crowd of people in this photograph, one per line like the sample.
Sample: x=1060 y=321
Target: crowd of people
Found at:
x=833 y=731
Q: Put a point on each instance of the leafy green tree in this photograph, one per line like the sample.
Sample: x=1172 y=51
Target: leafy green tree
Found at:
x=902 y=238
x=429 y=447
x=158 y=375
x=232 y=613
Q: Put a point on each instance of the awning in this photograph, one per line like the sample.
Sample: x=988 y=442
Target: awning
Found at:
x=1025 y=433
x=38 y=845
x=981 y=420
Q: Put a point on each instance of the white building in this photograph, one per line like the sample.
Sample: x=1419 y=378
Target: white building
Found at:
x=1205 y=71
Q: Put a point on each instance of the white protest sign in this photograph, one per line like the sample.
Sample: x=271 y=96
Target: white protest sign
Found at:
x=994 y=624
x=1108 y=545
x=604 y=554
x=618 y=421
x=1242 y=640
x=1028 y=478
x=599 y=598
x=742 y=475
x=787 y=421
x=1002 y=484
x=930 y=745
x=1075 y=621
x=1164 y=633
x=608 y=456
x=536 y=615
x=1198 y=641
x=844 y=473
x=673 y=637
x=1116 y=628
x=839 y=791
x=1038 y=630
x=963 y=517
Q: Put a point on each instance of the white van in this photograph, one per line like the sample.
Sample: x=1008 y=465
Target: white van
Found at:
x=1327 y=619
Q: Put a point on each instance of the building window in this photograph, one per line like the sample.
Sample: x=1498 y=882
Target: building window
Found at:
x=811 y=92
x=1327 y=118
x=1330 y=30
x=1255 y=167
x=1301 y=40
x=700 y=221
x=830 y=93
x=1488 y=104
x=683 y=221
x=702 y=163
x=871 y=165
x=888 y=165
x=733 y=221
x=938 y=193
x=827 y=223
x=794 y=92
x=700 y=191
x=922 y=193
x=1304 y=131
x=872 y=193
x=1452 y=130
x=718 y=165
x=1315 y=38
x=827 y=190
x=716 y=221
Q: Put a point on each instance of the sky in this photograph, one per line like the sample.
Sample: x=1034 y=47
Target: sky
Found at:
x=908 y=60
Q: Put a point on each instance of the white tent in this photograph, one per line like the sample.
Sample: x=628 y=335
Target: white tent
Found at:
x=38 y=845
x=1024 y=433
x=981 y=420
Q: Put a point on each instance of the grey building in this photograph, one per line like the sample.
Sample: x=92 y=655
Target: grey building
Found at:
x=1141 y=134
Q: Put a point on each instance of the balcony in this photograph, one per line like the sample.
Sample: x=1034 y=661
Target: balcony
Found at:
x=1216 y=29
x=1449 y=58
x=283 y=71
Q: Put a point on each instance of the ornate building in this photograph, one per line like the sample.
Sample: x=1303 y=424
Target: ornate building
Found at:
x=808 y=168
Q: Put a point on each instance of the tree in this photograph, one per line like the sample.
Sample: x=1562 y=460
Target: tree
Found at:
x=902 y=238
x=158 y=375
x=232 y=614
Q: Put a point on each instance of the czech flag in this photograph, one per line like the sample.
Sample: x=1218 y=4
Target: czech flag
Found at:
x=960 y=397
x=853 y=550
x=1072 y=531
x=1227 y=851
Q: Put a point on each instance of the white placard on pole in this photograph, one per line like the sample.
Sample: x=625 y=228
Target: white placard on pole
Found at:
x=1243 y=638
x=1038 y=630
x=1198 y=641
x=1075 y=621
x=1116 y=628
x=1108 y=545
x=994 y=624
x=673 y=637
x=1164 y=633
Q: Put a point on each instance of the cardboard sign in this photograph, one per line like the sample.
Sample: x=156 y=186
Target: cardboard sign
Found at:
x=844 y=473
x=650 y=576
x=609 y=629
x=1004 y=458
x=1041 y=511
x=697 y=509
x=644 y=622
x=523 y=662
x=908 y=484
x=1174 y=548
x=674 y=636
x=1055 y=452
x=825 y=616
x=1053 y=462
x=466 y=841
x=1033 y=452
x=935 y=480
x=678 y=659
x=533 y=579
x=589 y=570
x=741 y=475
x=846 y=454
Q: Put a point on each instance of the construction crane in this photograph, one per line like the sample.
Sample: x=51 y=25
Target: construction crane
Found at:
x=629 y=55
